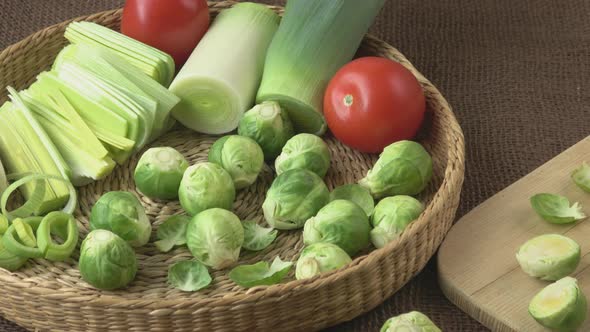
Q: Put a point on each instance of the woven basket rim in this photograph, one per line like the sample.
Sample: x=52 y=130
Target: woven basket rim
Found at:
x=455 y=163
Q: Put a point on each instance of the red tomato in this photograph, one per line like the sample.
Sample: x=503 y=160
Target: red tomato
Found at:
x=173 y=26
x=372 y=102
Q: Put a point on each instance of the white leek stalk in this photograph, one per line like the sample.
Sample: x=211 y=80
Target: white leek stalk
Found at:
x=218 y=83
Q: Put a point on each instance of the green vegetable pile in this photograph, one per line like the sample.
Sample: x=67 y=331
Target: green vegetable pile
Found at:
x=560 y=306
x=105 y=99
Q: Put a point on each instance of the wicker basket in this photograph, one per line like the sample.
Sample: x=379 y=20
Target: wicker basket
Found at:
x=51 y=296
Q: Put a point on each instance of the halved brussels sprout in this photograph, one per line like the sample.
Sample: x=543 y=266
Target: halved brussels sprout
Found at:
x=549 y=256
x=159 y=171
x=342 y=223
x=106 y=260
x=319 y=258
x=261 y=273
x=556 y=209
x=121 y=213
x=403 y=168
x=391 y=216
x=355 y=193
x=561 y=306
x=294 y=197
x=304 y=151
x=205 y=186
x=413 y=321
x=189 y=276
x=240 y=156
x=172 y=233
x=269 y=126
x=581 y=177
x=215 y=237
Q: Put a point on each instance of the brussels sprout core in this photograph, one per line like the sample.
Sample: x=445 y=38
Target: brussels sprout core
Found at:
x=269 y=126
x=549 y=257
x=159 y=171
x=561 y=306
x=318 y=258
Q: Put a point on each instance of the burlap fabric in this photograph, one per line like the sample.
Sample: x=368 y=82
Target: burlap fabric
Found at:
x=515 y=72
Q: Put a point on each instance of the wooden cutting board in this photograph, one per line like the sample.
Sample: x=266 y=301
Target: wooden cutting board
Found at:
x=477 y=267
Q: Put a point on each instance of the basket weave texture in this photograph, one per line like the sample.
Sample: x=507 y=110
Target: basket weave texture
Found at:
x=46 y=295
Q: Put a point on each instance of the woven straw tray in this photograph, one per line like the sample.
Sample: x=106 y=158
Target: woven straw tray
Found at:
x=45 y=295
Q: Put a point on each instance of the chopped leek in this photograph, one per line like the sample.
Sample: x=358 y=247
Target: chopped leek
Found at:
x=25 y=233
x=155 y=63
x=314 y=40
x=63 y=225
x=218 y=82
x=81 y=149
x=111 y=67
x=36 y=203
x=3 y=180
x=25 y=148
x=13 y=243
x=109 y=127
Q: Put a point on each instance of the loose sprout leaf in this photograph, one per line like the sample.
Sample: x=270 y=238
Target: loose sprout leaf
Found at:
x=581 y=177
x=256 y=237
x=189 y=276
x=260 y=273
x=172 y=233
x=556 y=209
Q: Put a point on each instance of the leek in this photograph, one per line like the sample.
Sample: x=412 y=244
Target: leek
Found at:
x=26 y=148
x=108 y=65
x=155 y=63
x=3 y=180
x=218 y=82
x=81 y=149
x=314 y=40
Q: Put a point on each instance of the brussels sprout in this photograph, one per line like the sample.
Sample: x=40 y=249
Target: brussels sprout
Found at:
x=269 y=126
x=294 y=197
x=256 y=237
x=319 y=258
x=581 y=177
x=240 y=156
x=549 y=256
x=205 y=186
x=342 y=223
x=404 y=168
x=305 y=151
x=355 y=193
x=189 y=276
x=412 y=321
x=172 y=233
x=159 y=171
x=261 y=273
x=560 y=306
x=556 y=209
x=215 y=237
x=106 y=260
x=391 y=216
x=121 y=213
